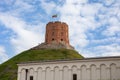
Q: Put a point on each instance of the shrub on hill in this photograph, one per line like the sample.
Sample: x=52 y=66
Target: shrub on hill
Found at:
x=8 y=70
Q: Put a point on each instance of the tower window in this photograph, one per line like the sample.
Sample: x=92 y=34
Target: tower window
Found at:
x=74 y=76
x=31 y=77
x=61 y=39
x=26 y=73
x=53 y=39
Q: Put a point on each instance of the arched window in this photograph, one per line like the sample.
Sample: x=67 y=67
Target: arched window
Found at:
x=31 y=77
x=26 y=73
x=74 y=76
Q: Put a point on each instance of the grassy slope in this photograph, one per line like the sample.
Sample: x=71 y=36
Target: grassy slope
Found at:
x=8 y=70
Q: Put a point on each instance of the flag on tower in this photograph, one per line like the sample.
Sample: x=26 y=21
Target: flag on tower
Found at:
x=54 y=16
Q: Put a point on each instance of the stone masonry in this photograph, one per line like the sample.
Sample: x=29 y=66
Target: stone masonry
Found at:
x=57 y=31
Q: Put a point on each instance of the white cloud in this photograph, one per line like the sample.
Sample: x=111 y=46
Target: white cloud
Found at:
x=108 y=2
x=102 y=50
x=24 y=37
x=105 y=40
x=7 y=2
x=48 y=6
x=18 y=7
x=81 y=17
x=113 y=28
x=21 y=5
x=3 y=55
x=109 y=50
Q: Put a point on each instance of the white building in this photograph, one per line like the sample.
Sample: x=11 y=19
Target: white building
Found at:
x=104 y=68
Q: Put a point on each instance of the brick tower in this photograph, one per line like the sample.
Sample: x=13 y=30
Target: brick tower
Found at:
x=56 y=36
x=57 y=32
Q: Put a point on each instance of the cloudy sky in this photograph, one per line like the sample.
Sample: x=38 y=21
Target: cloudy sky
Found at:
x=94 y=25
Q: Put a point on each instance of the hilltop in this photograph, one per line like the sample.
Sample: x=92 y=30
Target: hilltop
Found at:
x=8 y=70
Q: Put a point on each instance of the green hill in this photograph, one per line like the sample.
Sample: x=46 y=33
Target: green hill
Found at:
x=8 y=70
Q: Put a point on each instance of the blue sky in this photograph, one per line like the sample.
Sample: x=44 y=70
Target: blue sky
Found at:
x=94 y=25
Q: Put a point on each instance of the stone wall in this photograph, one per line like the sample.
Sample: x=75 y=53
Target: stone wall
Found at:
x=84 y=69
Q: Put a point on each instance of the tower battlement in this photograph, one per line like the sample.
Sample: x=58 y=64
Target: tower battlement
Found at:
x=56 y=22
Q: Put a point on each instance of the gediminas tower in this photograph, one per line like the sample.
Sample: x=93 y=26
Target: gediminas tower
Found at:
x=57 y=32
x=56 y=36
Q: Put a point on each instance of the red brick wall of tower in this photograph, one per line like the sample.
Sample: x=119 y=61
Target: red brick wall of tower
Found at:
x=57 y=31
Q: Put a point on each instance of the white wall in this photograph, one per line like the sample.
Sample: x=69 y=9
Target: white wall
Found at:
x=86 y=69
